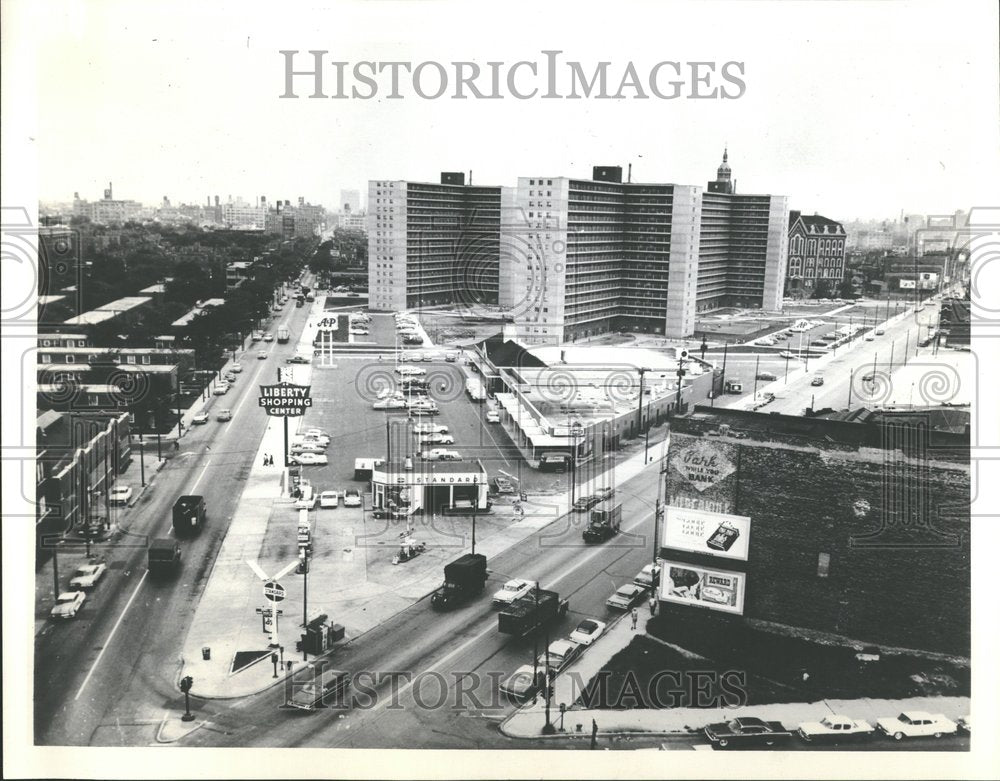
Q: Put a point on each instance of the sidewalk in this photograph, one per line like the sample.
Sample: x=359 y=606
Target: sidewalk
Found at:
x=528 y=721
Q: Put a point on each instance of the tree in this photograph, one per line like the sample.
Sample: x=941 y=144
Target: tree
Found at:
x=846 y=287
x=823 y=289
x=190 y=283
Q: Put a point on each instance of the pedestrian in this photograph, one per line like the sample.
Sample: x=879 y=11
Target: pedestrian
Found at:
x=635 y=617
x=652 y=605
x=270 y=460
x=265 y=459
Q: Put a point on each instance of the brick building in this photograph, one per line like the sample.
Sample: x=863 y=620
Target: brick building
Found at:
x=816 y=251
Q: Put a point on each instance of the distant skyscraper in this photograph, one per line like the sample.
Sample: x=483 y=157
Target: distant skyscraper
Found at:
x=350 y=200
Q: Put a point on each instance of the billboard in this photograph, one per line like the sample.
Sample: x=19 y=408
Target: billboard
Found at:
x=928 y=280
x=713 y=534
x=907 y=284
x=701 y=587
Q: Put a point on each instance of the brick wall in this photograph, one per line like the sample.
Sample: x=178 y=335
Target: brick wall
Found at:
x=894 y=532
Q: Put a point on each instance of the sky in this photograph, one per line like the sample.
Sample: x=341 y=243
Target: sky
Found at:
x=852 y=109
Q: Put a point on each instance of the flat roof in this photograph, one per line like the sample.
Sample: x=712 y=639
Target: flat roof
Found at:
x=158 y=288
x=123 y=304
x=91 y=318
x=42 y=300
x=424 y=469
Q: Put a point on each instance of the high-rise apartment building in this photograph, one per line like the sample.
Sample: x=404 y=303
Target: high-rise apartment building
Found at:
x=571 y=258
x=432 y=244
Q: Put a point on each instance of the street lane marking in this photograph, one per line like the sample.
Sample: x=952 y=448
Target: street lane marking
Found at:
x=249 y=392
x=114 y=629
x=492 y=628
x=204 y=469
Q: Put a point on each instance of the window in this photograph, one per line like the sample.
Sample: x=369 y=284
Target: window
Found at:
x=70 y=359
x=130 y=359
x=146 y=359
x=46 y=358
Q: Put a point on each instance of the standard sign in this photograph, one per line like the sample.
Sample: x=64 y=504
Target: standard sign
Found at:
x=274 y=591
x=284 y=399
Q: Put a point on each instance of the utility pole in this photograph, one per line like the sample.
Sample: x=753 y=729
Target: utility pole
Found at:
x=756 y=372
x=850 y=387
x=549 y=728
x=681 y=371
x=892 y=351
x=142 y=462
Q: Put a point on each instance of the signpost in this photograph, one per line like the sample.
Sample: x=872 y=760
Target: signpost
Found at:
x=274 y=591
x=284 y=400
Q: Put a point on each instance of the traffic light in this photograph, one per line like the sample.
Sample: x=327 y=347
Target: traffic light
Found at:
x=186 y=683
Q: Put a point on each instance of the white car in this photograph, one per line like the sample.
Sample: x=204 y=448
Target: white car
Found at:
x=307 y=447
x=68 y=604
x=492 y=416
x=833 y=728
x=358 y=331
x=120 y=494
x=224 y=415
x=316 y=432
x=560 y=654
x=86 y=576
x=440 y=454
x=917 y=724
x=411 y=371
x=424 y=407
x=437 y=439
x=262 y=355
x=236 y=368
x=329 y=500
x=391 y=403
x=626 y=597
x=307 y=501
x=270 y=337
x=220 y=390
x=522 y=683
x=309 y=459
x=430 y=428
x=588 y=631
x=352 y=497
x=511 y=590
x=648 y=576
x=200 y=419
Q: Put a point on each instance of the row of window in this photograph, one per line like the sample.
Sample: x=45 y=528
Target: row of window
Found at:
x=130 y=359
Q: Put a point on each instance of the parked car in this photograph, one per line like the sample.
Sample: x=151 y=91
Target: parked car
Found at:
x=869 y=337
x=965 y=724
x=297 y=359
x=917 y=724
x=329 y=500
x=309 y=459
x=511 y=590
x=746 y=731
x=492 y=416
x=835 y=729
x=437 y=439
x=391 y=403
x=879 y=332
x=352 y=497
x=561 y=654
x=423 y=407
x=120 y=494
x=231 y=376
x=269 y=337
x=503 y=485
x=224 y=415
x=87 y=575
x=648 y=576
x=605 y=492
x=767 y=376
x=358 y=331
x=870 y=377
x=307 y=447
x=262 y=355
x=236 y=367
x=67 y=605
x=626 y=597
x=200 y=419
x=316 y=432
x=816 y=381
x=220 y=390
x=523 y=683
x=430 y=428
x=307 y=500
x=440 y=454
x=587 y=631
x=584 y=503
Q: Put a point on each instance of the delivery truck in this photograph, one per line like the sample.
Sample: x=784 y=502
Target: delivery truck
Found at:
x=526 y=614
x=282 y=335
x=605 y=522
x=189 y=515
x=164 y=556
x=464 y=578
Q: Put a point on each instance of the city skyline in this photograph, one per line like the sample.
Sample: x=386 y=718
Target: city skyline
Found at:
x=834 y=133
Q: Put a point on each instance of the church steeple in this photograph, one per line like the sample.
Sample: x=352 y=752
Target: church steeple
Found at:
x=723 y=177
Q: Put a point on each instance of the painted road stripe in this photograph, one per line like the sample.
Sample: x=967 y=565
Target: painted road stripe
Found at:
x=114 y=629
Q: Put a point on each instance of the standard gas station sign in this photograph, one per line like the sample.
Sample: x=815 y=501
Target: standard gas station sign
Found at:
x=285 y=399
